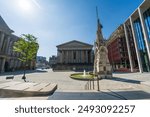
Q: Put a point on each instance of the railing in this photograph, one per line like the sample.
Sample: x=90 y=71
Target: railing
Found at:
x=91 y=84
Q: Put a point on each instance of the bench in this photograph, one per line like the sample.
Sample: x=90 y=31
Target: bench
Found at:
x=9 y=77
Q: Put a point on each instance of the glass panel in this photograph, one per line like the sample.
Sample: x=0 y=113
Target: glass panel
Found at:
x=141 y=45
x=147 y=21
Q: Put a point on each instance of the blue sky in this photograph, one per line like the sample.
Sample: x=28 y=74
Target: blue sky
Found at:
x=54 y=22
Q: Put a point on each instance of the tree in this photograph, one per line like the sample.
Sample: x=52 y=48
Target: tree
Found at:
x=27 y=46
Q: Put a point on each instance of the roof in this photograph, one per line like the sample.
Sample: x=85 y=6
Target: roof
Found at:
x=4 y=27
x=74 y=44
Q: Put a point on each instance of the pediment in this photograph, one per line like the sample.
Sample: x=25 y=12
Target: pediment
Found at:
x=4 y=26
x=75 y=44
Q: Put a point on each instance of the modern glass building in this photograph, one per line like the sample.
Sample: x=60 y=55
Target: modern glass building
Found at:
x=134 y=52
x=139 y=24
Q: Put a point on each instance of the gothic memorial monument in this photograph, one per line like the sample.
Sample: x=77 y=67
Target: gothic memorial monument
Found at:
x=102 y=67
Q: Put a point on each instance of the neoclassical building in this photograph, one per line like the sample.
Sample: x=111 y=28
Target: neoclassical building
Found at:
x=74 y=55
x=8 y=58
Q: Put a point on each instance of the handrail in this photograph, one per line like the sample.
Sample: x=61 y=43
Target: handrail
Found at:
x=90 y=85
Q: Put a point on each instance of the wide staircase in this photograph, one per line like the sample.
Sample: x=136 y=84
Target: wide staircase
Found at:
x=91 y=92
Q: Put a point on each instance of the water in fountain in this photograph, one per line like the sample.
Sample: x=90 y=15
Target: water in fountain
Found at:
x=84 y=73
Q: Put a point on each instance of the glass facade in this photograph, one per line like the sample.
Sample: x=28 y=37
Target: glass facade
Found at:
x=147 y=21
x=141 y=45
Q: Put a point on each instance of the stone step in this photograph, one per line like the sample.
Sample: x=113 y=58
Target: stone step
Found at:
x=50 y=86
x=7 y=84
x=21 y=86
x=38 y=87
x=23 y=89
x=147 y=83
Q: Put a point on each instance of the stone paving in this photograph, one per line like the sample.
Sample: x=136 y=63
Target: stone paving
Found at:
x=122 y=86
x=61 y=78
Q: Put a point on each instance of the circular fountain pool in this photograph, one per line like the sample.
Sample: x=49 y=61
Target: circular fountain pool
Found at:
x=82 y=76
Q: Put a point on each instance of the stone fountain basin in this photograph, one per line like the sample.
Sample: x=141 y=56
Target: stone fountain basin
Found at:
x=81 y=76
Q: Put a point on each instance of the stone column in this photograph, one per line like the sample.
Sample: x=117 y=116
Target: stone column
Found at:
x=71 y=56
x=128 y=48
x=92 y=57
x=82 y=56
x=76 y=56
x=86 y=56
x=76 y=60
x=1 y=40
x=66 y=56
x=70 y=59
x=7 y=45
x=136 y=47
x=144 y=33
x=10 y=48
x=18 y=62
x=61 y=57
x=10 y=63
x=2 y=65
x=3 y=48
x=80 y=59
x=77 y=52
x=79 y=56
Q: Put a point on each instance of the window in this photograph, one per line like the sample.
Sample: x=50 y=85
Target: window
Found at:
x=147 y=21
x=104 y=68
x=141 y=45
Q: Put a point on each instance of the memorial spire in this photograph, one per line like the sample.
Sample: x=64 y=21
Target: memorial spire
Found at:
x=99 y=29
x=102 y=67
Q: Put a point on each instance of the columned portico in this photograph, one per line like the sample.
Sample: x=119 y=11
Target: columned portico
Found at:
x=74 y=55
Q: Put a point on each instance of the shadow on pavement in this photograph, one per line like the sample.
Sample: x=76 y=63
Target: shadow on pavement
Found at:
x=121 y=95
x=124 y=80
x=134 y=95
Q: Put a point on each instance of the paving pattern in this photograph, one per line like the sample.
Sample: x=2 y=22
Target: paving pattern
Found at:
x=123 y=86
x=23 y=89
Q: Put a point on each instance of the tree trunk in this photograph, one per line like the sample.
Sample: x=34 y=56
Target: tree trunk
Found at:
x=24 y=74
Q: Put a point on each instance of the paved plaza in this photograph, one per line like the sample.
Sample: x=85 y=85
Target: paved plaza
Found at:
x=122 y=86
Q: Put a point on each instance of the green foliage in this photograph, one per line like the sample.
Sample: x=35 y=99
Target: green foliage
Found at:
x=27 y=46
